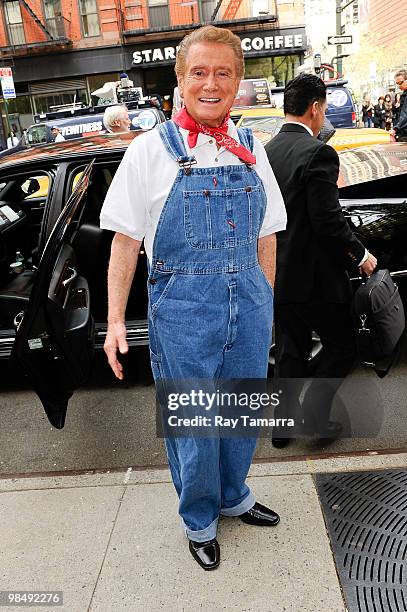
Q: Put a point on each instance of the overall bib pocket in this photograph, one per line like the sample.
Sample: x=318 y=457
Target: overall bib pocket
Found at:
x=223 y=218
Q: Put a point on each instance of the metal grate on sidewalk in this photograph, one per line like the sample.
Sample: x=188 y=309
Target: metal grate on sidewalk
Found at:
x=366 y=518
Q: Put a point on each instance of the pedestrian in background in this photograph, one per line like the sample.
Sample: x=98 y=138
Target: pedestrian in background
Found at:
x=56 y=134
x=167 y=107
x=116 y=119
x=12 y=140
x=388 y=117
x=396 y=108
x=379 y=115
x=367 y=113
x=400 y=127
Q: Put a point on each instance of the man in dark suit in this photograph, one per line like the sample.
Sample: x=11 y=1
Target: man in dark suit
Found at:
x=312 y=288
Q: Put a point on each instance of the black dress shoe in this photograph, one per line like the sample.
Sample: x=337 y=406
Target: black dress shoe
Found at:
x=261 y=516
x=207 y=554
x=280 y=442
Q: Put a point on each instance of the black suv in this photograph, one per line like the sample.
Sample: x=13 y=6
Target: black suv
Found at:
x=54 y=291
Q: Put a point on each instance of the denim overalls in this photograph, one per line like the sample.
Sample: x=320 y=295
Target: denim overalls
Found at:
x=210 y=317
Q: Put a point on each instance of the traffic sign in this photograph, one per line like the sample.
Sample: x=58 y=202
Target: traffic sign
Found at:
x=7 y=83
x=340 y=40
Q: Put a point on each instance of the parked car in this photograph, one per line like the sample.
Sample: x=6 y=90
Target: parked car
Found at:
x=78 y=124
x=87 y=125
x=58 y=302
x=267 y=122
x=342 y=109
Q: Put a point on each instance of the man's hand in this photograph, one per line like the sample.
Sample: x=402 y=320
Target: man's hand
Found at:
x=266 y=249
x=116 y=339
x=122 y=265
x=368 y=267
x=392 y=132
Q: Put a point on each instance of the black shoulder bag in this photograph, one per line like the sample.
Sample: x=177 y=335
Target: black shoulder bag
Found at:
x=379 y=315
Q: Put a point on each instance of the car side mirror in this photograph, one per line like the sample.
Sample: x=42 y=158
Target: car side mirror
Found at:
x=30 y=186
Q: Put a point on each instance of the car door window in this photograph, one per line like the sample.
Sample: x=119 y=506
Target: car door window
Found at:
x=41 y=192
x=37 y=134
x=23 y=199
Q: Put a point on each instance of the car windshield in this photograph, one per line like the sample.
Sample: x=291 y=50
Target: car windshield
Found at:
x=270 y=125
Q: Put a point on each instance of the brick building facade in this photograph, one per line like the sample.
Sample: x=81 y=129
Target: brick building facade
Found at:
x=62 y=50
x=388 y=20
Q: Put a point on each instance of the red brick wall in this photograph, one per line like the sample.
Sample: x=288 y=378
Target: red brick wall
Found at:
x=388 y=19
x=3 y=32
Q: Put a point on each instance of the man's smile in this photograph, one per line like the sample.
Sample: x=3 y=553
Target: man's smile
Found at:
x=209 y=100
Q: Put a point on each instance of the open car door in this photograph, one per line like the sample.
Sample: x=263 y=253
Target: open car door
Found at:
x=55 y=336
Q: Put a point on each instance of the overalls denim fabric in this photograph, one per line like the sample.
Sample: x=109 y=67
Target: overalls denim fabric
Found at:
x=210 y=317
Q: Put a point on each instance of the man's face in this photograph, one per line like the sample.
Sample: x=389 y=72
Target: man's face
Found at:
x=210 y=82
x=401 y=82
x=123 y=123
x=318 y=116
x=54 y=132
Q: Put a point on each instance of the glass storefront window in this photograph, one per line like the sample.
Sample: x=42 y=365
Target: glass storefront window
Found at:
x=96 y=81
x=278 y=70
x=45 y=103
x=21 y=105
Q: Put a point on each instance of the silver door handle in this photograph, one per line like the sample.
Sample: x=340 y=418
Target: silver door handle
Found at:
x=69 y=280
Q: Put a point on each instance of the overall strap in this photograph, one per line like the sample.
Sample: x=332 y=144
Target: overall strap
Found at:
x=246 y=138
x=173 y=142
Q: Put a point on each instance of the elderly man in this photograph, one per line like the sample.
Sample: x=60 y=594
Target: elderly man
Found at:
x=204 y=198
x=400 y=128
x=116 y=119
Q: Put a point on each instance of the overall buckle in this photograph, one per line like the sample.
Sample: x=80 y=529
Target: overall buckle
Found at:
x=185 y=163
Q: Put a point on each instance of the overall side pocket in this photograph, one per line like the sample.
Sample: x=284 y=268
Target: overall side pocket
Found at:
x=159 y=284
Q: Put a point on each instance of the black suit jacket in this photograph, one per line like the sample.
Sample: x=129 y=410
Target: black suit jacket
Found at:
x=318 y=246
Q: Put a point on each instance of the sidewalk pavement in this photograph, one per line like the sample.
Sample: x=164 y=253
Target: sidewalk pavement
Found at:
x=112 y=542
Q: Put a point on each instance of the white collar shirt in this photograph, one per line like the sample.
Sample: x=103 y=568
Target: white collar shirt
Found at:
x=141 y=185
x=302 y=125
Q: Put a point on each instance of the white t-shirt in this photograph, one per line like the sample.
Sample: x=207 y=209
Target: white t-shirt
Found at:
x=59 y=138
x=12 y=141
x=141 y=185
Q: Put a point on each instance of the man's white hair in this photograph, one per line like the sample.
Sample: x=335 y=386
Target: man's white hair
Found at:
x=112 y=114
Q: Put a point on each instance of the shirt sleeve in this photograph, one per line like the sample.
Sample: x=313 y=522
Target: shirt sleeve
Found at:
x=275 y=218
x=125 y=207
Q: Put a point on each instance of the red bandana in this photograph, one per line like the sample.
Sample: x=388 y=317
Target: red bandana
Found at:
x=220 y=134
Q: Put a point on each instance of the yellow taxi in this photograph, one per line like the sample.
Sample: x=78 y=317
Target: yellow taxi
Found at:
x=266 y=123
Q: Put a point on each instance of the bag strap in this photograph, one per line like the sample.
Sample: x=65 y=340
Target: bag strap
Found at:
x=172 y=141
x=246 y=138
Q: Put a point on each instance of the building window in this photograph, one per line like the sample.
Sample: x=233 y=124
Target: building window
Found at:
x=14 y=22
x=90 y=18
x=53 y=17
x=159 y=14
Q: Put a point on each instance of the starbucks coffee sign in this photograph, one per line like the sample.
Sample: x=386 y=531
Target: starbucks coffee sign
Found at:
x=157 y=55
x=254 y=44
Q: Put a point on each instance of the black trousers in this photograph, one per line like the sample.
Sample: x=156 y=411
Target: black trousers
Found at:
x=294 y=324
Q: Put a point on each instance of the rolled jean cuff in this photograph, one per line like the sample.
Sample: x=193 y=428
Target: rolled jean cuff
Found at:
x=203 y=535
x=241 y=508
